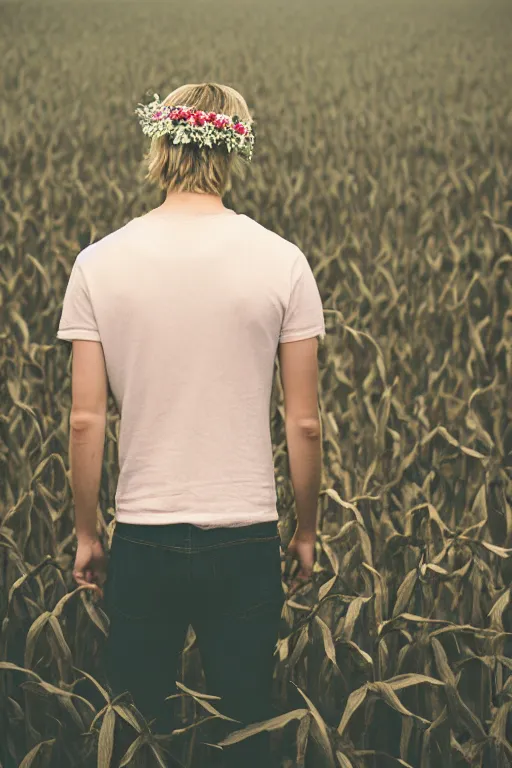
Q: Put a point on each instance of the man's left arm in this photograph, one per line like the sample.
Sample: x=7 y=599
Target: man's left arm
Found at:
x=88 y=420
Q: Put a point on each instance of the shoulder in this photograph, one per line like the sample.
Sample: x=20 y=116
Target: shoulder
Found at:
x=97 y=251
x=272 y=239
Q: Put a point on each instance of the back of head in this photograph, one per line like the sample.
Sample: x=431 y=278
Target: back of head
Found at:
x=189 y=167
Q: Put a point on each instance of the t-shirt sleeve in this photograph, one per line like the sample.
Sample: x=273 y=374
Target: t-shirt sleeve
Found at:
x=304 y=315
x=77 y=320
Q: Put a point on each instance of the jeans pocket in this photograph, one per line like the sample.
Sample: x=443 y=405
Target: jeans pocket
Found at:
x=132 y=586
x=248 y=577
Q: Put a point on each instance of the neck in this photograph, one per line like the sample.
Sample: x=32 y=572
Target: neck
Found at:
x=193 y=202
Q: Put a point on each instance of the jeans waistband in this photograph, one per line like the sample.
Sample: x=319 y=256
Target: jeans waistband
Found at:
x=188 y=536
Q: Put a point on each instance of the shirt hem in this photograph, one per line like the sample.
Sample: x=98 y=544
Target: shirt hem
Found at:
x=70 y=334
x=201 y=520
x=310 y=333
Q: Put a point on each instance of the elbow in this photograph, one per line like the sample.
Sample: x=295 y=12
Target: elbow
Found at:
x=309 y=427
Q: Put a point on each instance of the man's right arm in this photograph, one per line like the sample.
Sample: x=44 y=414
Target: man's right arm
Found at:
x=304 y=443
x=299 y=376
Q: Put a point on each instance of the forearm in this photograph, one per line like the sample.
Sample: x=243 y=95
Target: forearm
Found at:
x=305 y=459
x=86 y=447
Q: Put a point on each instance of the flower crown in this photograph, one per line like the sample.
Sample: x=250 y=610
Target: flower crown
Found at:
x=186 y=124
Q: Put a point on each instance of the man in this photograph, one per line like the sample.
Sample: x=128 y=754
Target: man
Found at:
x=182 y=312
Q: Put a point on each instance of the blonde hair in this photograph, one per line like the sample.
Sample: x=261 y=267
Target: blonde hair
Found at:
x=188 y=167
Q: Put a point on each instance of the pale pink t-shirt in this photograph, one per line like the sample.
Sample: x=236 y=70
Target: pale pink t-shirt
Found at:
x=190 y=309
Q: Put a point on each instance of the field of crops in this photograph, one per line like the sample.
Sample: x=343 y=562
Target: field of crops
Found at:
x=384 y=152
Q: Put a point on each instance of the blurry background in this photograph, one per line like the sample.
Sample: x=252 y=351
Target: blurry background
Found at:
x=383 y=151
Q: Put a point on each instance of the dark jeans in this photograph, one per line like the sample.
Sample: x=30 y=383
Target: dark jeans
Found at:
x=226 y=582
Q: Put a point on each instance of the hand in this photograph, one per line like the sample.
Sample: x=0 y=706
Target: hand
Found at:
x=301 y=548
x=90 y=567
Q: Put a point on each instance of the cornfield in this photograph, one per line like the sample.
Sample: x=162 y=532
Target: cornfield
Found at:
x=384 y=152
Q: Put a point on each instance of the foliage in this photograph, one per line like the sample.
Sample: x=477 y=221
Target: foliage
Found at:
x=384 y=153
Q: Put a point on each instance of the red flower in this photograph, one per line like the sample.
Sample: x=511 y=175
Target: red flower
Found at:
x=239 y=128
x=200 y=117
x=211 y=117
